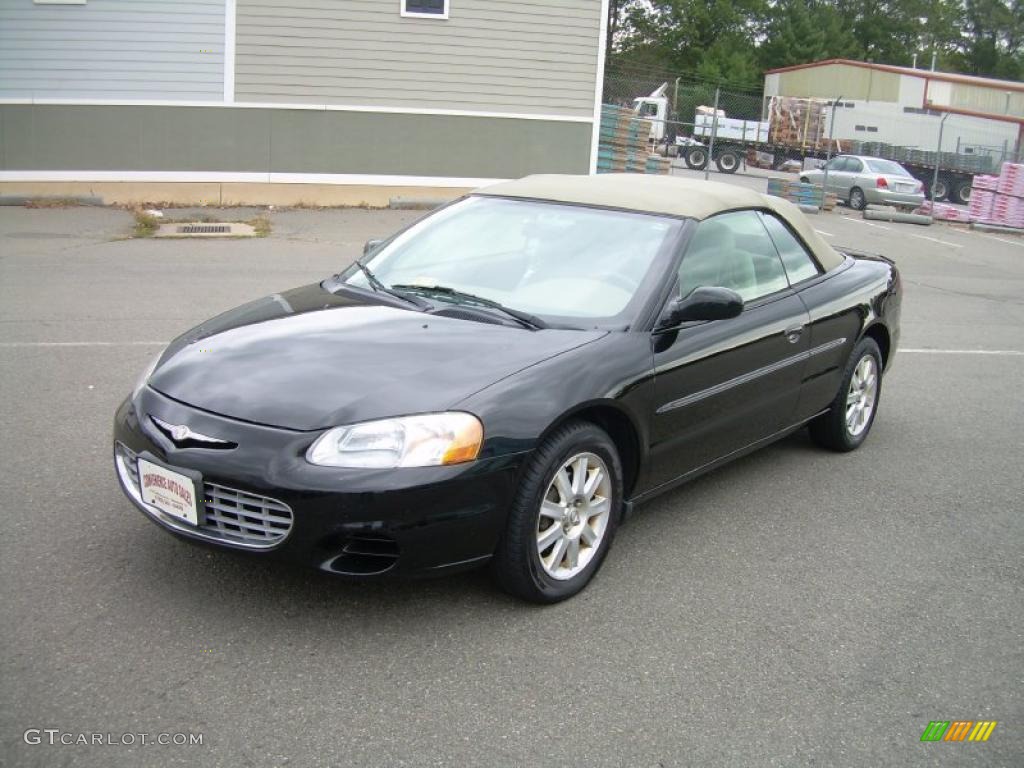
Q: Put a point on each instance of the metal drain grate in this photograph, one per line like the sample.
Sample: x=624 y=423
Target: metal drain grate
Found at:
x=204 y=229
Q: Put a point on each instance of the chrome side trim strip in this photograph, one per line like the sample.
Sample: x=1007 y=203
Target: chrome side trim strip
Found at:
x=746 y=378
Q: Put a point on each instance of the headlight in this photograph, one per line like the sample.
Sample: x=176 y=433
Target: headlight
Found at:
x=429 y=440
x=146 y=374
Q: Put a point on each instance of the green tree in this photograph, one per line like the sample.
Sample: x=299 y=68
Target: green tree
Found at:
x=994 y=42
x=732 y=41
x=715 y=37
x=796 y=32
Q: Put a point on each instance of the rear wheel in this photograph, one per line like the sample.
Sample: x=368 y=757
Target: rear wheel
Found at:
x=696 y=158
x=564 y=516
x=728 y=161
x=962 y=192
x=940 y=188
x=857 y=200
x=847 y=422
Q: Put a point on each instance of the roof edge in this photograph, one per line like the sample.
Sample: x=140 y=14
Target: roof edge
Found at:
x=927 y=74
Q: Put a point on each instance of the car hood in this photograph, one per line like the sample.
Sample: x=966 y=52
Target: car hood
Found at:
x=308 y=359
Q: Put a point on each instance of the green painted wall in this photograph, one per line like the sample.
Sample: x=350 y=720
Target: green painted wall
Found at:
x=145 y=138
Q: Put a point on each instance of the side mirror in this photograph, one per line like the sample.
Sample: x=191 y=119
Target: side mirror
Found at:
x=371 y=245
x=702 y=304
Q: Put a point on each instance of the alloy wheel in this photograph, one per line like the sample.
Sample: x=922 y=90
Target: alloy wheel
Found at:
x=862 y=397
x=574 y=515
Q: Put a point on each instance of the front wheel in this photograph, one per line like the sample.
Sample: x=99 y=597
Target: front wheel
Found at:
x=564 y=516
x=847 y=422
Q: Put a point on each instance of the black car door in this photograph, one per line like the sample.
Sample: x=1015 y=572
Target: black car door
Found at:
x=724 y=384
x=834 y=325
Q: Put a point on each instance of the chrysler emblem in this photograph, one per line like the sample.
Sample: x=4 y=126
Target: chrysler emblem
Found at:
x=179 y=433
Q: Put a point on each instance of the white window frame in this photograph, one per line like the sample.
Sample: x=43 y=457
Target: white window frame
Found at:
x=416 y=15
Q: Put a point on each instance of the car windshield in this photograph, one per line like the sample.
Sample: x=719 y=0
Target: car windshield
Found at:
x=886 y=166
x=563 y=263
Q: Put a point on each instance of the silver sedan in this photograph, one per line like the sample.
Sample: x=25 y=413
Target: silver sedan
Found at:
x=859 y=180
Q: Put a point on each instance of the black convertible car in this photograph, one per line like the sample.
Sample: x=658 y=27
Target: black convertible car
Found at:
x=504 y=379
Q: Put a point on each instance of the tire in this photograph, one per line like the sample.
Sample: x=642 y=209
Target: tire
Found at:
x=527 y=562
x=961 y=192
x=696 y=158
x=804 y=180
x=940 y=187
x=832 y=429
x=728 y=162
x=857 y=200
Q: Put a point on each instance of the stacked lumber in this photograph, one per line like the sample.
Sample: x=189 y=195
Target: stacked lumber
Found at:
x=801 y=194
x=797 y=122
x=623 y=145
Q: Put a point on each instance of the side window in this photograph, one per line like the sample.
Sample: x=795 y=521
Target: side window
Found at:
x=430 y=9
x=732 y=250
x=835 y=164
x=795 y=258
x=853 y=165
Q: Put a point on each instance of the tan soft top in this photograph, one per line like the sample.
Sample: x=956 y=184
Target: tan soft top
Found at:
x=669 y=195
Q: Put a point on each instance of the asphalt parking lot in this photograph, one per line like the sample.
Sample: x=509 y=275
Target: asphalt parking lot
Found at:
x=795 y=608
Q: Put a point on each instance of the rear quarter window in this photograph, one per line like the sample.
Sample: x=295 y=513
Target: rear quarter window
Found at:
x=797 y=261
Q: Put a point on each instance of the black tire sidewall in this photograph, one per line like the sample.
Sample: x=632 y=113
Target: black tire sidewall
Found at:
x=723 y=160
x=830 y=429
x=696 y=166
x=853 y=198
x=518 y=567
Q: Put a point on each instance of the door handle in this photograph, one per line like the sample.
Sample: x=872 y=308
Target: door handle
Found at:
x=793 y=334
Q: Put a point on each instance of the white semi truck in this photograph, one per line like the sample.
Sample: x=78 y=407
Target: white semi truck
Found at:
x=786 y=138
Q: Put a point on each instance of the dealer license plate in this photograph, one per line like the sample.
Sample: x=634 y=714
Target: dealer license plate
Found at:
x=171 y=492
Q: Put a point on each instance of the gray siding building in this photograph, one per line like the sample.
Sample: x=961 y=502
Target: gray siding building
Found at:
x=392 y=93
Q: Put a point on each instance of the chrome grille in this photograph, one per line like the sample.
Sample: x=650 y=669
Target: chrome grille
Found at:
x=231 y=515
x=245 y=516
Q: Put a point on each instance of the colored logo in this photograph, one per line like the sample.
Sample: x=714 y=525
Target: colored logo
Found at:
x=958 y=730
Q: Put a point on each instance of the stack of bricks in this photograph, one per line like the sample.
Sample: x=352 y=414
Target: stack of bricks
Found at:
x=983 y=195
x=624 y=145
x=805 y=195
x=999 y=200
x=944 y=212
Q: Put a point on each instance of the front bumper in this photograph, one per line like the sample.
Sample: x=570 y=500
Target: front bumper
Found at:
x=890 y=197
x=344 y=521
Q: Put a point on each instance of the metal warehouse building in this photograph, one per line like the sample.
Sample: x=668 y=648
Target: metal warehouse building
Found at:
x=327 y=101
x=903 y=106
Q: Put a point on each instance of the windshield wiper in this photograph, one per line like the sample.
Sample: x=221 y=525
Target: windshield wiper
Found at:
x=378 y=286
x=525 y=318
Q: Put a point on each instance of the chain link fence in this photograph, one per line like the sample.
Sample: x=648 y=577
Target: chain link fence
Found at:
x=708 y=128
